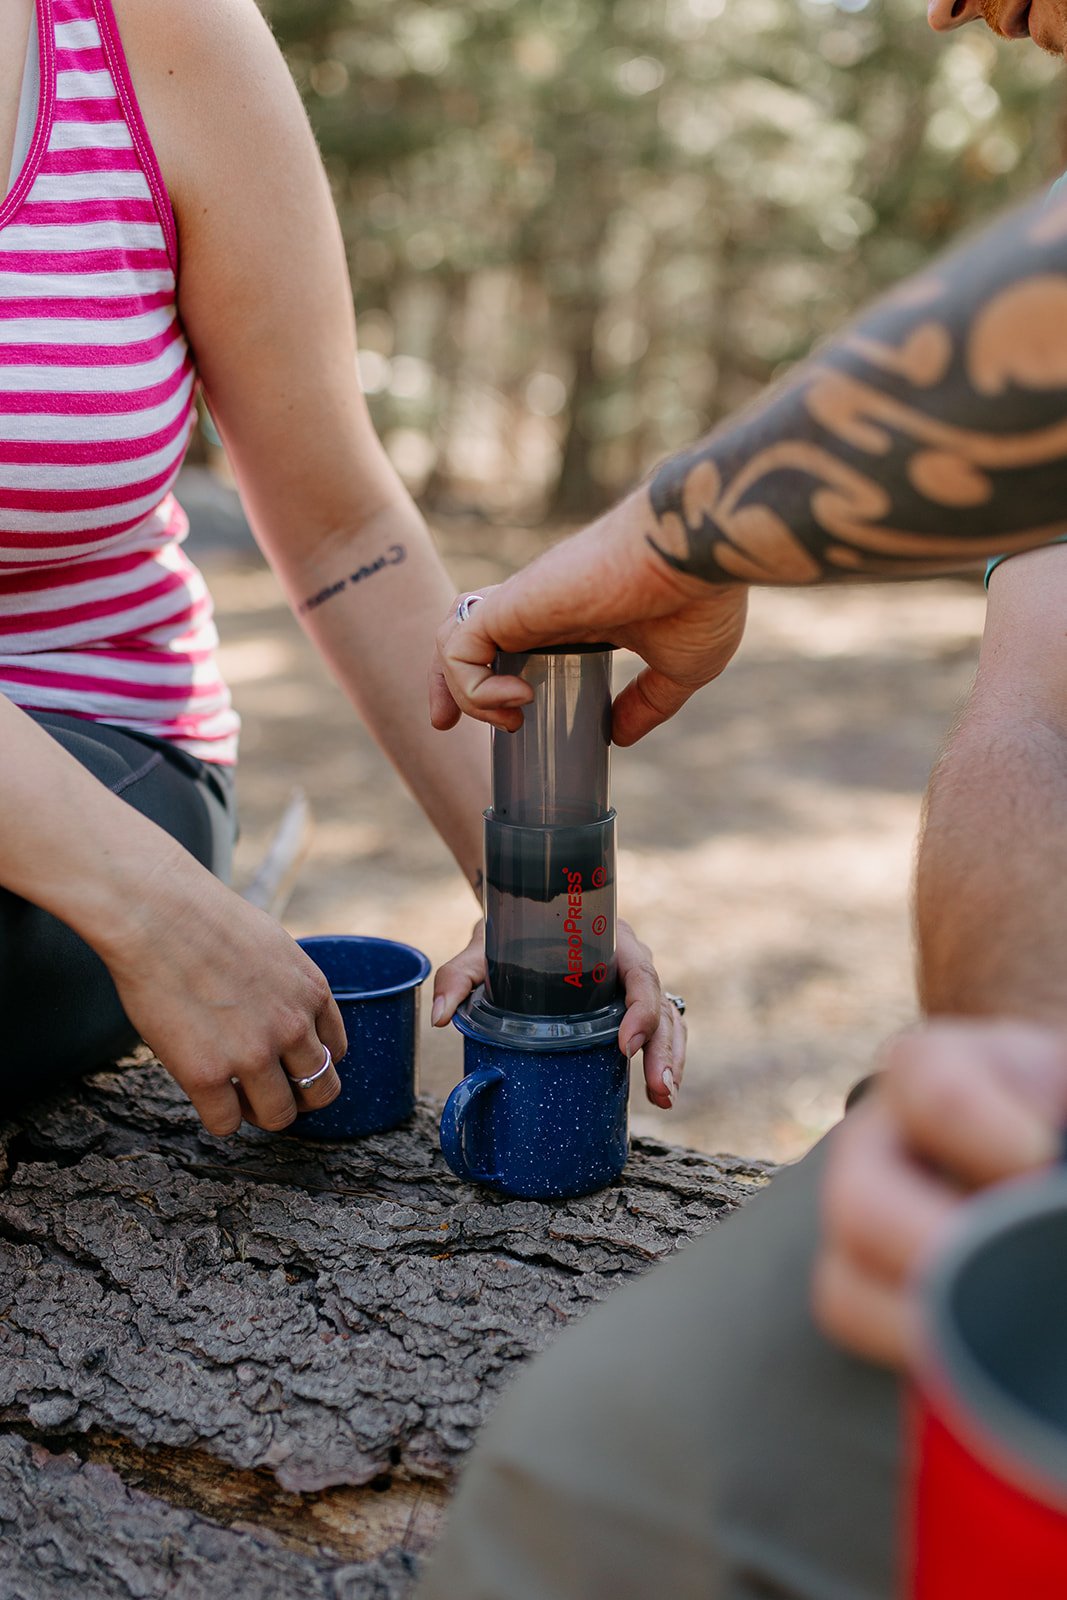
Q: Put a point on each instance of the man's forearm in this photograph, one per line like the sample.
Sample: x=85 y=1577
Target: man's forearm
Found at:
x=932 y=434
x=991 y=910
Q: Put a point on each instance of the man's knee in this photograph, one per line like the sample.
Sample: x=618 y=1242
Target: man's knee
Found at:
x=674 y=1435
x=573 y=1488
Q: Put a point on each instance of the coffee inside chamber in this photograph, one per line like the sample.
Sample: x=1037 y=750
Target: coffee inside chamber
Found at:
x=550 y=918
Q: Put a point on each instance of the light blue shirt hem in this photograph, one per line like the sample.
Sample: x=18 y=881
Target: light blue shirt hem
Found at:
x=998 y=559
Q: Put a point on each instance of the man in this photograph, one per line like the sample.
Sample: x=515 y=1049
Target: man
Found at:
x=699 y=1435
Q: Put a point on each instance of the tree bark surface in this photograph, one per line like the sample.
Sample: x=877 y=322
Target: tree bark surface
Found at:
x=251 y=1367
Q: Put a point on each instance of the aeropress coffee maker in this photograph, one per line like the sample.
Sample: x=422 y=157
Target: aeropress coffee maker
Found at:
x=541 y=1111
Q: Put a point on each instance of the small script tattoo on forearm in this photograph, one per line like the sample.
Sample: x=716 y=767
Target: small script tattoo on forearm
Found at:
x=392 y=557
x=932 y=434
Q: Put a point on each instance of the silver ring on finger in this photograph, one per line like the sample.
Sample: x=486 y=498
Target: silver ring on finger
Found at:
x=676 y=1001
x=305 y=1083
x=463 y=610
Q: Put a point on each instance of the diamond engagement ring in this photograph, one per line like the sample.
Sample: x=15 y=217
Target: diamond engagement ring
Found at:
x=305 y=1083
x=676 y=1001
x=463 y=610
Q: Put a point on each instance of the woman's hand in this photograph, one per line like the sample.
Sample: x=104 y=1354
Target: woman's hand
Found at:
x=651 y=1023
x=229 y=1003
x=604 y=585
x=961 y=1105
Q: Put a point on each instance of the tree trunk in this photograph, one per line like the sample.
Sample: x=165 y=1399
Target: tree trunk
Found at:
x=577 y=492
x=251 y=1367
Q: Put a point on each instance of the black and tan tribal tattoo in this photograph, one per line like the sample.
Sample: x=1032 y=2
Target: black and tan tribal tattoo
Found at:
x=930 y=435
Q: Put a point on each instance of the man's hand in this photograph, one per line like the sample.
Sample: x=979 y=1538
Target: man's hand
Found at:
x=604 y=585
x=961 y=1105
x=651 y=1023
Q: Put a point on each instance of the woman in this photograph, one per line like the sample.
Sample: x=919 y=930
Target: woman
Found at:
x=167 y=221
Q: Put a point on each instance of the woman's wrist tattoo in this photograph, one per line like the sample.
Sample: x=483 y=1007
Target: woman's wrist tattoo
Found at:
x=392 y=557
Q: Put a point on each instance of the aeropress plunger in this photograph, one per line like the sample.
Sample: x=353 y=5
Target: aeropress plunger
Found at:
x=542 y=1108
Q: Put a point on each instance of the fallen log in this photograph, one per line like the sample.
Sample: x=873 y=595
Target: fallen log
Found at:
x=268 y=1357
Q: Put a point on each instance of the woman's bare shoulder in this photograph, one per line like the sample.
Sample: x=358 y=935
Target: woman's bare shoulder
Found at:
x=211 y=81
x=167 y=34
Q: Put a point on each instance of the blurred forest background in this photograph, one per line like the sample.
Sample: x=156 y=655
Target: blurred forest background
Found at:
x=580 y=232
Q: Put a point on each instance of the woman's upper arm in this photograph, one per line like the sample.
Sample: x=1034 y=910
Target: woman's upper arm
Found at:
x=264 y=292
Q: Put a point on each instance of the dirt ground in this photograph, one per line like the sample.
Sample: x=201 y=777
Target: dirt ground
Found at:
x=766 y=834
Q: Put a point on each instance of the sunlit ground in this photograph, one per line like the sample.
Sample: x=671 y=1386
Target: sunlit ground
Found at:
x=766 y=834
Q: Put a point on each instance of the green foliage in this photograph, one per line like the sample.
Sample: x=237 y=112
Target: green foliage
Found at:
x=581 y=230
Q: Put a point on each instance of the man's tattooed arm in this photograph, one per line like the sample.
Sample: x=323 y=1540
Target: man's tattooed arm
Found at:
x=932 y=434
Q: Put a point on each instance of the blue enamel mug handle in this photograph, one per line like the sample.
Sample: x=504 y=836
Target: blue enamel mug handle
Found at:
x=454 y=1122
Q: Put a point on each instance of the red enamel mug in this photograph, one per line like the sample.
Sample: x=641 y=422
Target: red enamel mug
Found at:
x=987 y=1476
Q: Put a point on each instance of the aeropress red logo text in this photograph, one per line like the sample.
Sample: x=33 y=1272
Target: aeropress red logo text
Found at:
x=572 y=927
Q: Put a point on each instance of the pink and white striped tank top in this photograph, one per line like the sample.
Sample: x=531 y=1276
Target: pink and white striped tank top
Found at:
x=101 y=613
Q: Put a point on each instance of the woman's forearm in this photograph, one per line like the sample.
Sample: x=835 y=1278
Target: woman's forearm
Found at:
x=70 y=846
x=371 y=602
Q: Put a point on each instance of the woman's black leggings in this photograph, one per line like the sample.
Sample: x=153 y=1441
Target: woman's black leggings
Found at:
x=59 y=1013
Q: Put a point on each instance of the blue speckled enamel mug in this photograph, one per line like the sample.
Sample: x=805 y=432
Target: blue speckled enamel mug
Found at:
x=541 y=1125
x=376 y=985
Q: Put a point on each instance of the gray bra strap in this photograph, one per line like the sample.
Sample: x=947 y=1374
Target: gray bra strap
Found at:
x=29 y=103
